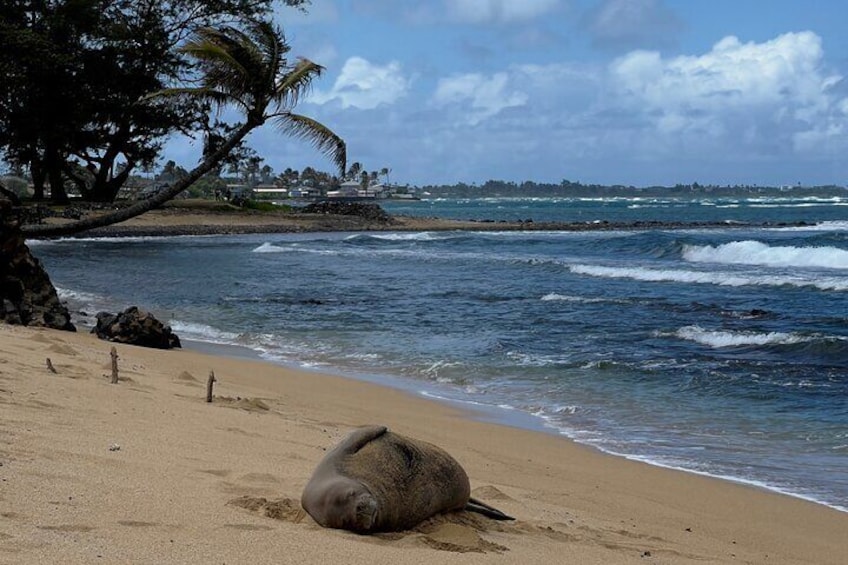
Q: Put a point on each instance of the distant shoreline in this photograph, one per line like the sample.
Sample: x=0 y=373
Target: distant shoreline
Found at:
x=191 y=222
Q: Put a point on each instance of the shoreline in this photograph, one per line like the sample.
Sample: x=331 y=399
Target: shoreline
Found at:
x=98 y=471
x=177 y=220
x=484 y=413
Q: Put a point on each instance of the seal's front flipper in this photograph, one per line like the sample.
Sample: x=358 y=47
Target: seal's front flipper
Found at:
x=359 y=437
x=475 y=505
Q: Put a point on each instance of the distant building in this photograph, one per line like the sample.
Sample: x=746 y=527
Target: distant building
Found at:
x=353 y=189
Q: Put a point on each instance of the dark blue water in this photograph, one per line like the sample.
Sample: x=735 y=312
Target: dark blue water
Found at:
x=721 y=351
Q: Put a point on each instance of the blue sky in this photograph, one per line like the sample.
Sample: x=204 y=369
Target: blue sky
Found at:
x=635 y=92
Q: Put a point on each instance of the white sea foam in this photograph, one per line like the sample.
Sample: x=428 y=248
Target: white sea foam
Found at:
x=554 y=297
x=708 y=277
x=830 y=225
x=757 y=253
x=521 y=359
x=84 y=305
x=718 y=338
x=268 y=247
x=412 y=236
x=435 y=369
x=127 y=239
x=40 y=242
x=203 y=332
x=271 y=248
x=794 y=205
x=78 y=296
x=116 y=240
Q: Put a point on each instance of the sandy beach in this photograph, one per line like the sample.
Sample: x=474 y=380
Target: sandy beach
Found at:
x=145 y=471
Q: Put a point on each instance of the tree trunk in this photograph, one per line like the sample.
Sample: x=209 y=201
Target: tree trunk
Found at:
x=38 y=179
x=53 y=167
x=39 y=231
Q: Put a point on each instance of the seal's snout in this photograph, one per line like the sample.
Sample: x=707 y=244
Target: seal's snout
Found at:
x=366 y=512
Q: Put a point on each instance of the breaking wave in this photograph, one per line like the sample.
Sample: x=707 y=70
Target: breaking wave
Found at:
x=709 y=277
x=757 y=253
x=719 y=338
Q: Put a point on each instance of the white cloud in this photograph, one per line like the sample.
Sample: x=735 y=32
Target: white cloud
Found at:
x=486 y=96
x=503 y=11
x=365 y=85
x=756 y=94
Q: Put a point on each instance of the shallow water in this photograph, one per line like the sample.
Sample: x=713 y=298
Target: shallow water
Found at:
x=721 y=351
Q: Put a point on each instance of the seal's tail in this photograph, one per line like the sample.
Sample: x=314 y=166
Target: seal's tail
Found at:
x=475 y=505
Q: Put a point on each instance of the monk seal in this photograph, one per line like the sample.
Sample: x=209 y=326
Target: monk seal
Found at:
x=379 y=481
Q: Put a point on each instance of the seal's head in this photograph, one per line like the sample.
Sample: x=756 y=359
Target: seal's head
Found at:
x=350 y=506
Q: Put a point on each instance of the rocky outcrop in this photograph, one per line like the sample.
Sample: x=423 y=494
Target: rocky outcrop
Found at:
x=366 y=210
x=135 y=327
x=27 y=297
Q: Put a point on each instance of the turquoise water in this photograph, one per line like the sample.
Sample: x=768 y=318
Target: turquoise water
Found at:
x=720 y=351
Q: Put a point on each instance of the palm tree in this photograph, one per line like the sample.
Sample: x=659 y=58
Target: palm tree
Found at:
x=247 y=69
x=354 y=172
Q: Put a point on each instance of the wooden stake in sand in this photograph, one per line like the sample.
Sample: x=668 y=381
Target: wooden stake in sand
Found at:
x=114 y=354
x=50 y=366
x=209 y=384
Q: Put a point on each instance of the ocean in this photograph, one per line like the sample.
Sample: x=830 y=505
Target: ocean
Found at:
x=721 y=351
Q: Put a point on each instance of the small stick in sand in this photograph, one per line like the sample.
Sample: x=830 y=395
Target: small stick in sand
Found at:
x=209 y=384
x=114 y=354
x=50 y=366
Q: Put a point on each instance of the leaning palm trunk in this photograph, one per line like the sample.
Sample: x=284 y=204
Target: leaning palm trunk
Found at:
x=124 y=214
x=247 y=69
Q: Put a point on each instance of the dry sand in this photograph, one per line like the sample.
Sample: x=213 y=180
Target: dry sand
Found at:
x=145 y=471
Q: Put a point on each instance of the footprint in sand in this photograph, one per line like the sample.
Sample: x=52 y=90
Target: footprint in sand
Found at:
x=459 y=539
x=489 y=492
x=63 y=349
x=240 y=432
x=187 y=379
x=67 y=528
x=137 y=523
x=265 y=478
x=248 y=404
x=285 y=509
x=39 y=338
x=247 y=527
x=216 y=472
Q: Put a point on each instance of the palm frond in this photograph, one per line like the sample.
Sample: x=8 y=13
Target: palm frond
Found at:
x=296 y=83
x=209 y=47
x=312 y=131
x=218 y=98
x=272 y=43
x=229 y=59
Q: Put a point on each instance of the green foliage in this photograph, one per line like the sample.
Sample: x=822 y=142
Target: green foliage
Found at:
x=75 y=75
x=207 y=187
x=265 y=206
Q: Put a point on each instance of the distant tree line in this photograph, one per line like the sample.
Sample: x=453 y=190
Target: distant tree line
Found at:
x=566 y=188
